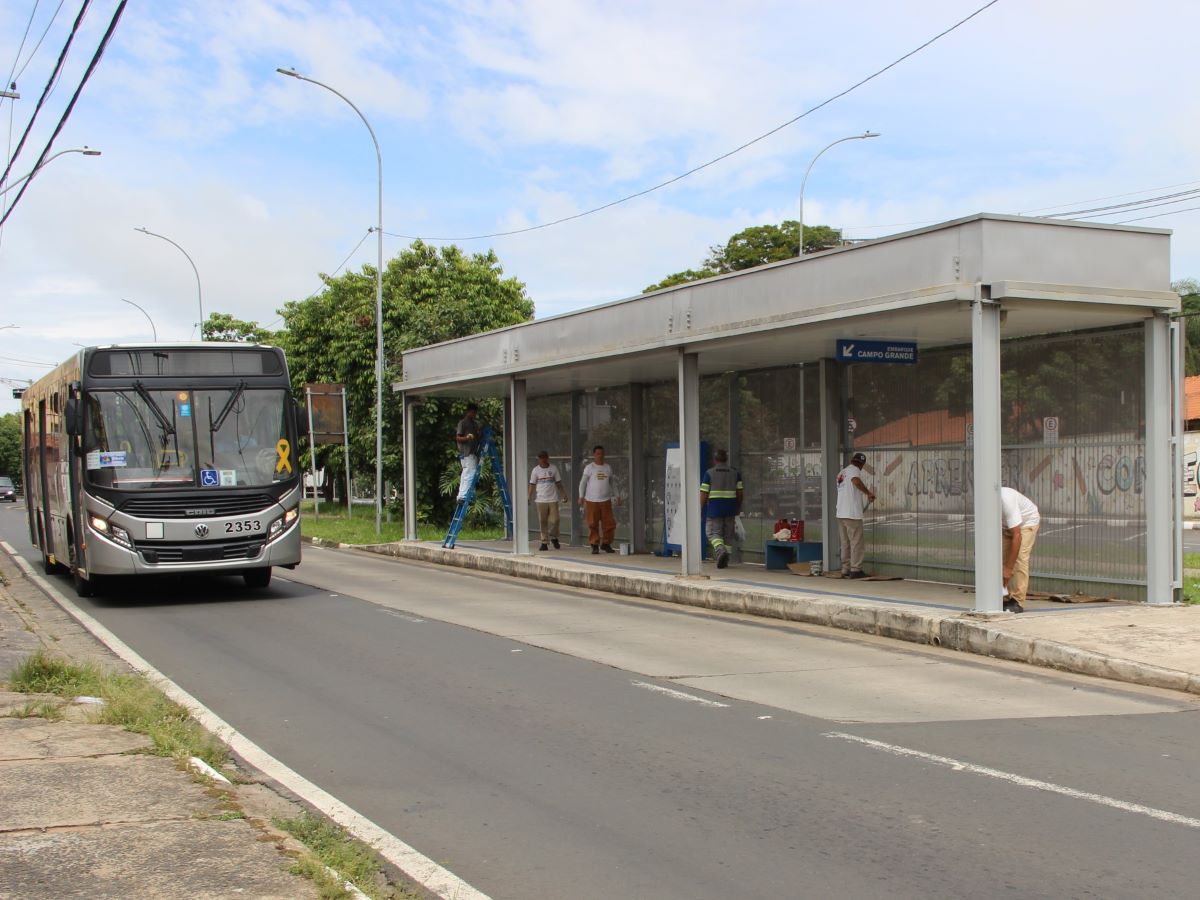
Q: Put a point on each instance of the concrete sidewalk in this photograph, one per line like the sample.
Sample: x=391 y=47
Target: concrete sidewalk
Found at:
x=1122 y=641
x=84 y=811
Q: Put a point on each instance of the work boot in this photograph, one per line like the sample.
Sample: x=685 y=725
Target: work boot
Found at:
x=722 y=559
x=543 y=547
x=595 y=549
x=1013 y=606
x=554 y=541
x=607 y=548
x=859 y=574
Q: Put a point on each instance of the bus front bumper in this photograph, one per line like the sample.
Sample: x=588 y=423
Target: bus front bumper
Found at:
x=105 y=556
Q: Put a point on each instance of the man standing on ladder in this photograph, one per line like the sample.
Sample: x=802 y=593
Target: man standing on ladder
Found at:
x=720 y=502
x=467 y=438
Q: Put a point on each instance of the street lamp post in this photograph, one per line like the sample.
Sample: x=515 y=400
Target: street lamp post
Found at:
x=292 y=73
x=199 y=293
x=853 y=137
x=86 y=151
x=153 y=330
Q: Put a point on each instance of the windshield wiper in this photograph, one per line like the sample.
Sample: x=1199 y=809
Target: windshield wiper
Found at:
x=167 y=427
x=228 y=407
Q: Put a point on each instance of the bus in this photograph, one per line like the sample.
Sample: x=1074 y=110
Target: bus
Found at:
x=163 y=459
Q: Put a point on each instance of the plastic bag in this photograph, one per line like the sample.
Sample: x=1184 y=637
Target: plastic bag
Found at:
x=739 y=530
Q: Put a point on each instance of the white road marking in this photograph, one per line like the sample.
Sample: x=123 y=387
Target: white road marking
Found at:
x=678 y=695
x=761 y=718
x=959 y=766
x=400 y=615
x=420 y=868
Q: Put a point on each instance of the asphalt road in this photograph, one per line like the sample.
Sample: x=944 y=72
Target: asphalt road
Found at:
x=549 y=743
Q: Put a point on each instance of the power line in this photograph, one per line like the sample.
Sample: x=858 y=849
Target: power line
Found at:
x=62 y=121
x=723 y=156
x=24 y=37
x=1132 y=204
x=62 y=56
x=1156 y=215
x=368 y=233
x=38 y=45
x=1164 y=187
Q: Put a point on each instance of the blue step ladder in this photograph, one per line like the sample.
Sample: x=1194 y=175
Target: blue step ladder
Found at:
x=487 y=448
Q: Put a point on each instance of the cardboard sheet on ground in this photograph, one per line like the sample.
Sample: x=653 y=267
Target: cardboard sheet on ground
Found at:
x=806 y=569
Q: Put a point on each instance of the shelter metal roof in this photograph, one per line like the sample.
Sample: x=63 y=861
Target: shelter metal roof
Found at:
x=1049 y=276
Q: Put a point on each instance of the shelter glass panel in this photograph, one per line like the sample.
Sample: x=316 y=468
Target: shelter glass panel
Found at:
x=604 y=420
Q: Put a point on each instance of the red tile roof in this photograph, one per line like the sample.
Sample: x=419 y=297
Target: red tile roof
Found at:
x=1191 y=397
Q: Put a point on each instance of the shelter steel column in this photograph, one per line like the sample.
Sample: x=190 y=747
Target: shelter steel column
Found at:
x=637 y=469
x=519 y=458
x=830 y=436
x=577 y=463
x=410 y=405
x=1159 y=518
x=689 y=442
x=985 y=386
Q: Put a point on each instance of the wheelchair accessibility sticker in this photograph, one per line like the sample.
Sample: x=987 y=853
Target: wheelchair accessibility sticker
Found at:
x=210 y=478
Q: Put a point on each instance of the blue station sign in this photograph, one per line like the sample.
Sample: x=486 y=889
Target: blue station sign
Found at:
x=888 y=352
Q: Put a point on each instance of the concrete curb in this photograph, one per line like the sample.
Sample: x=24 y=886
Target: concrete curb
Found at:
x=965 y=632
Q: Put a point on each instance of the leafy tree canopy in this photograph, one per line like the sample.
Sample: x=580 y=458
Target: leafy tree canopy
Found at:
x=224 y=327
x=429 y=295
x=10 y=446
x=756 y=246
x=1189 y=292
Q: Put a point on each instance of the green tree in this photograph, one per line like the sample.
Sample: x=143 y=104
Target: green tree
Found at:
x=683 y=277
x=221 y=326
x=429 y=295
x=756 y=246
x=1189 y=292
x=10 y=446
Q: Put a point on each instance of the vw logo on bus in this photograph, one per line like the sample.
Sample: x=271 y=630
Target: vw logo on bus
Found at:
x=201 y=530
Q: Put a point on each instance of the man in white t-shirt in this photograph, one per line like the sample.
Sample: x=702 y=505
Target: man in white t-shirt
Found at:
x=545 y=489
x=595 y=496
x=1021 y=520
x=852 y=497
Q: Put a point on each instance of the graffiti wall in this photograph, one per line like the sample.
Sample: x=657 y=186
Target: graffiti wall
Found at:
x=1099 y=478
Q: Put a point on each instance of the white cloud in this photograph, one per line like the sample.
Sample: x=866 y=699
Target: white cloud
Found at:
x=496 y=115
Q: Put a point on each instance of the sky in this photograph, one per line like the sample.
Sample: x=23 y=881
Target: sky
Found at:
x=497 y=116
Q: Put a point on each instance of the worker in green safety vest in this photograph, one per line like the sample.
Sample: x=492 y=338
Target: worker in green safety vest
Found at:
x=721 y=501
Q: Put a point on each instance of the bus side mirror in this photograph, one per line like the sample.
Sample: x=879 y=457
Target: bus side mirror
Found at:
x=301 y=420
x=71 y=414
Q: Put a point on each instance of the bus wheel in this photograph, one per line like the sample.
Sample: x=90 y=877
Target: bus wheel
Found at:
x=85 y=587
x=257 y=578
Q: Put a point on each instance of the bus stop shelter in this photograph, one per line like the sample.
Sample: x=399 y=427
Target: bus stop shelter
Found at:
x=983 y=351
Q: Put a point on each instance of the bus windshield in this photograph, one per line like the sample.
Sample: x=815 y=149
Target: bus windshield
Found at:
x=138 y=439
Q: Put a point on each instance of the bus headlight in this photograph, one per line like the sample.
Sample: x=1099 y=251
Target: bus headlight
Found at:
x=115 y=532
x=280 y=525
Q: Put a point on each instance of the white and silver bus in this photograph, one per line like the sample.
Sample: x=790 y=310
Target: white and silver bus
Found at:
x=163 y=459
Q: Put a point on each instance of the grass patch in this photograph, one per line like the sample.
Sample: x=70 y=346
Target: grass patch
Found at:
x=130 y=701
x=360 y=529
x=331 y=846
x=1191 y=560
x=38 y=709
x=1191 y=591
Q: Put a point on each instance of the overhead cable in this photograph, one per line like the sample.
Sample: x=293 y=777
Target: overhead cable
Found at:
x=1162 y=187
x=38 y=45
x=62 y=56
x=368 y=233
x=21 y=46
x=95 y=61
x=723 y=156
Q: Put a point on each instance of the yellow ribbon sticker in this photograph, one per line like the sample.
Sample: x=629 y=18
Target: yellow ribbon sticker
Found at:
x=285 y=456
